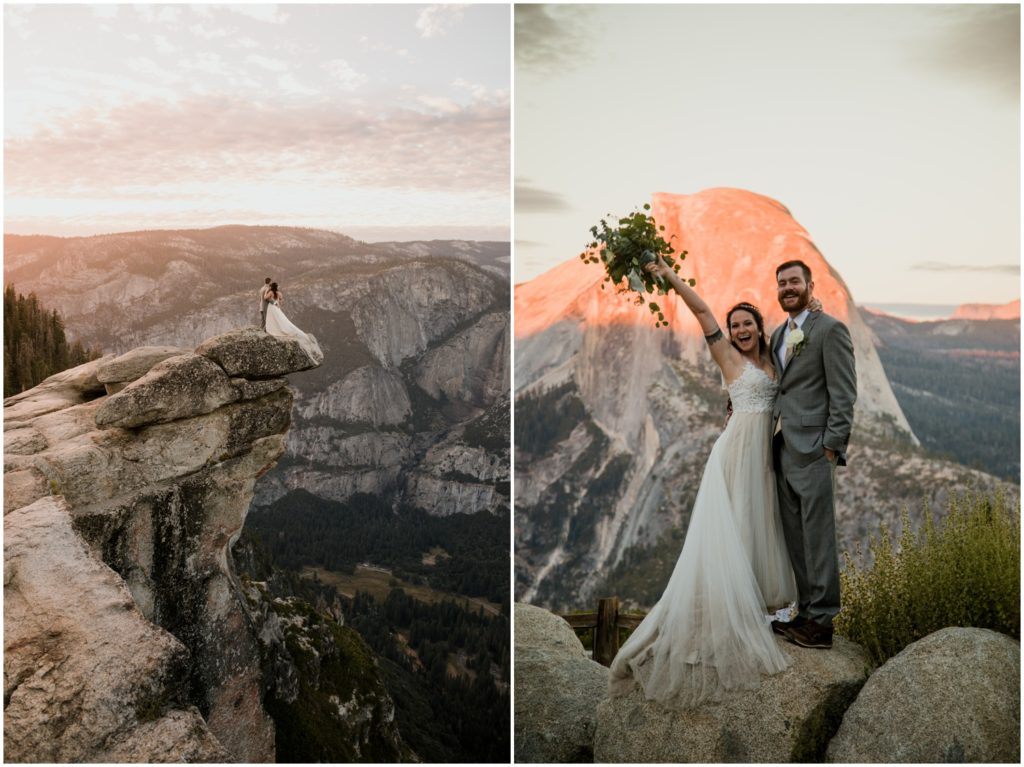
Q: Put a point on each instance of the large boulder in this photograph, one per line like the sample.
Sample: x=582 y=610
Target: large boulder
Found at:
x=134 y=364
x=790 y=718
x=953 y=696
x=557 y=690
x=179 y=387
x=252 y=353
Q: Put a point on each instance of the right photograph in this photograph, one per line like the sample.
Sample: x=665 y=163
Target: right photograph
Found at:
x=767 y=383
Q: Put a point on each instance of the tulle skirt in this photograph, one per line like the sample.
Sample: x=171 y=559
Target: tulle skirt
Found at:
x=279 y=325
x=710 y=631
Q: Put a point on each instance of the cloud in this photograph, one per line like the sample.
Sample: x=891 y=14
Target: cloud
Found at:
x=370 y=45
x=16 y=18
x=550 y=39
x=269 y=14
x=345 y=76
x=274 y=65
x=165 y=15
x=163 y=44
x=436 y=20
x=439 y=104
x=104 y=11
x=206 y=33
x=944 y=266
x=977 y=43
x=218 y=138
x=530 y=199
x=293 y=87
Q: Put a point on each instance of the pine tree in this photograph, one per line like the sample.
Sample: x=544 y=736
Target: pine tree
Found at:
x=35 y=343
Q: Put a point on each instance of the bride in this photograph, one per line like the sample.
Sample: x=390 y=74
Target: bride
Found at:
x=709 y=631
x=281 y=326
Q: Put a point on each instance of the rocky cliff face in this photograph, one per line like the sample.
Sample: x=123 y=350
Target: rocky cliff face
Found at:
x=615 y=418
x=126 y=635
x=1008 y=311
x=416 y=337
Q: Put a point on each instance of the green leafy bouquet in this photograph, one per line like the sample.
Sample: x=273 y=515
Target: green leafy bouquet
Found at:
x=625 y=249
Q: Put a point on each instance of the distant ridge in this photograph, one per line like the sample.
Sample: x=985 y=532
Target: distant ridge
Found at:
x=1009 y=311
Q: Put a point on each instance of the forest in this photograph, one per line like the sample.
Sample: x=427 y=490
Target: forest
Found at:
x=301 y=529
x=447 y=668
x=35 y=345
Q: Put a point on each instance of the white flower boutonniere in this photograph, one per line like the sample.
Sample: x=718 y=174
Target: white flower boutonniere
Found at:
x=795 y=341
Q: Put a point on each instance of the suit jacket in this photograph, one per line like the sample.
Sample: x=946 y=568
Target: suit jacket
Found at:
x=817 y=390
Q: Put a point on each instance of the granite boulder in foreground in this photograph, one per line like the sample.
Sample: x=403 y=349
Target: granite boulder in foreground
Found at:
x=790 y=718
x=953 y=696
x=558 y=688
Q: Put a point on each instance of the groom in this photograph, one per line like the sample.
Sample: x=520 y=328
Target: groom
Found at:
x=264 y=300
x=812 y=415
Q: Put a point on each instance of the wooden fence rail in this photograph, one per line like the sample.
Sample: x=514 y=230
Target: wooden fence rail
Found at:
x=606 y=623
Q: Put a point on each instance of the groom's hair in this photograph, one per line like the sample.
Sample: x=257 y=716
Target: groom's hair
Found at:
x=266 y=281
x=790 y=264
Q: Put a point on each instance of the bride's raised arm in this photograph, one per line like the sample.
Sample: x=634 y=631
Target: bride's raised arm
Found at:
x=728 y=359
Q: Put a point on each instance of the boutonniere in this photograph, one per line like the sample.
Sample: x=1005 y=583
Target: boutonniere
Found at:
x=795 y=342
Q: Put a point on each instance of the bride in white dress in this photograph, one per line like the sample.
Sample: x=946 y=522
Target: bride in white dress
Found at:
x=710 y=630
x=281 y=326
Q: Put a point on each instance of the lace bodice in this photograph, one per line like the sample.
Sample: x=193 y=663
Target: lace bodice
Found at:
x=753 y=392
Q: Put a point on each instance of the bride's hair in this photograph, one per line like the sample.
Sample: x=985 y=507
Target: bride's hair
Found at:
x=273 y=287
x=762 y=339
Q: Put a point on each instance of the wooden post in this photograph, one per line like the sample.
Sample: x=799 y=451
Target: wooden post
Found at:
x=606 y=635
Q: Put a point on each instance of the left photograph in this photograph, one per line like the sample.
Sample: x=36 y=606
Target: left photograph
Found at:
x=256 y=378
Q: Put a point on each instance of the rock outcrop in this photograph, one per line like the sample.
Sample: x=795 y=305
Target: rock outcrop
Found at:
x=790 y=718
x=558 y=688
x=126 y=637
x=953 y=696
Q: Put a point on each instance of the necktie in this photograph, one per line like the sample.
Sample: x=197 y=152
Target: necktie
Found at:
x=789 y=347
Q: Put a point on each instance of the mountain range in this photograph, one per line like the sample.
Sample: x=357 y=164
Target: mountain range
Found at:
x=614 y=418
x=415 y=335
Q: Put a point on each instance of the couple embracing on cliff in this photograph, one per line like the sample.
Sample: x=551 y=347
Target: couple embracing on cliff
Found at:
x=274 y=321
x=762 y=532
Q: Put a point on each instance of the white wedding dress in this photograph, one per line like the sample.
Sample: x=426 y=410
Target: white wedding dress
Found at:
x=710 y=630
x=281 y=326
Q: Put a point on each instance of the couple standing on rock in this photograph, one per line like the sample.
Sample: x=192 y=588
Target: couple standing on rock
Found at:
x=762 y=532
x=274 y=321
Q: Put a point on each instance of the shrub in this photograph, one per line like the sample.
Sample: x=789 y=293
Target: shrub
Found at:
x=964 y=572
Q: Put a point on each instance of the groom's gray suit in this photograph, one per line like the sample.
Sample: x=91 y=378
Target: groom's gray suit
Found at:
x=817 y=390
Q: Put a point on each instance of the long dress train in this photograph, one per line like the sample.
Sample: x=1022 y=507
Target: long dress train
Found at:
x=279 y=325
x=709 y=631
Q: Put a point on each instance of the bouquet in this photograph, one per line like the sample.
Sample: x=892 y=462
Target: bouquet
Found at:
x=626 y=249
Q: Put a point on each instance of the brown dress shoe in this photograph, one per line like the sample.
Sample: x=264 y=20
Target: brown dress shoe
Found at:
x=782 y=628
x=812 y=635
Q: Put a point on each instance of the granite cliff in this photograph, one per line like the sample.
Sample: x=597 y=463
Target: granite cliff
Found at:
x=127 y=634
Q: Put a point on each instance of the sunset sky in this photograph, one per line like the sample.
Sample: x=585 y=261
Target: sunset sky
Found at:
x=892 y=132
x=388 y=121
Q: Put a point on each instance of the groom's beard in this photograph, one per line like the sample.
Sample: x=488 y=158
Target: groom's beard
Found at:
x=803 y=298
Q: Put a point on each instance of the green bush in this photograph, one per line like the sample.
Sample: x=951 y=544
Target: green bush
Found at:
x=964 y=572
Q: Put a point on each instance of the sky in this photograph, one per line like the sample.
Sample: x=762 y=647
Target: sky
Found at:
x=388 y=120
x=891 y=132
